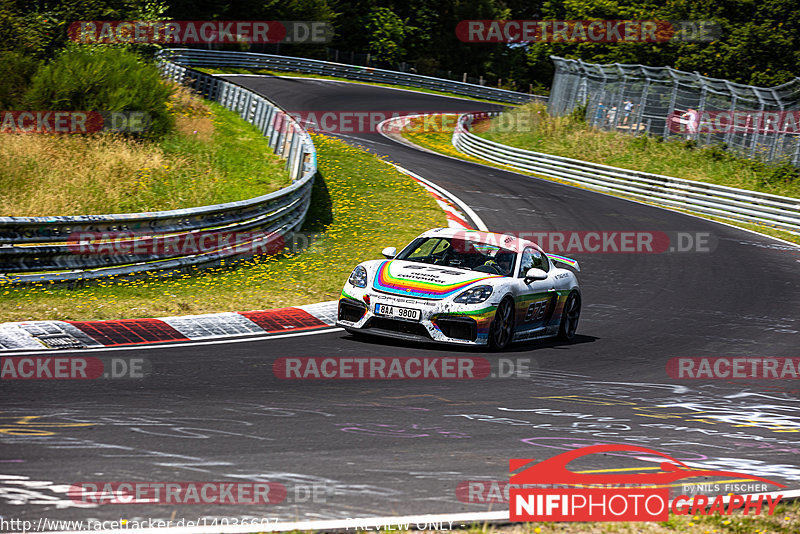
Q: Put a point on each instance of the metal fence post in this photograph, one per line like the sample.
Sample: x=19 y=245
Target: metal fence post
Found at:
x=637 y=120
x=621 y=96
x=777 y=137
x=672 y=99
x=734 y=99
x=701 y=105
x=269 y=114
x=276 y=127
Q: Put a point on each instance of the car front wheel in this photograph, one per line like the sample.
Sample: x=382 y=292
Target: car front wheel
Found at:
x=502 y=329
x=570 y=316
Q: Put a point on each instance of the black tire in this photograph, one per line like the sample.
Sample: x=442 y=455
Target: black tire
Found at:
x=502 y=329
x=570 y=317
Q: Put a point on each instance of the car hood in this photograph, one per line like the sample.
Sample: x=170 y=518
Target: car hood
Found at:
x=413 y=279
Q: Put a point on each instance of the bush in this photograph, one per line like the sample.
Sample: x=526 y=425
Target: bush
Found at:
x=640 y=142
x=578 y=113
x=782 y=173
x=81 y=78
x=718 y=152
x=16 y=71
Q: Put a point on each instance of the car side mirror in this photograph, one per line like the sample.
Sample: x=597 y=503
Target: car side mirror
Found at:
x=389 y=252
x=535 y=274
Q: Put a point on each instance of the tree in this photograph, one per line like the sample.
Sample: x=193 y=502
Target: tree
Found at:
x=386 y=33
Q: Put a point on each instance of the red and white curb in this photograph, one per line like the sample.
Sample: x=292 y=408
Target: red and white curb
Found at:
x=38 y=335
x=33 y=335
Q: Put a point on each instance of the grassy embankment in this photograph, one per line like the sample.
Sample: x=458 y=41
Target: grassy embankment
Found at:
x=360 y=205
x=212 y=157
x=529 y=127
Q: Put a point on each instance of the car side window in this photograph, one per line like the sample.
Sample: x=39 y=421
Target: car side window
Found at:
x=532 y=259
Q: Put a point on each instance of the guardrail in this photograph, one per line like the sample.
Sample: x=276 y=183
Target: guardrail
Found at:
x=216 y=58
x=708 y=199
x=43 y=249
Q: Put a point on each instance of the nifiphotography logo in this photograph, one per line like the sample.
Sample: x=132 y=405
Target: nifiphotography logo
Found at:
x=619 y=497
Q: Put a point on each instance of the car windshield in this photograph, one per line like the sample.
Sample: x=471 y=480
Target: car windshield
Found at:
x=460 y=253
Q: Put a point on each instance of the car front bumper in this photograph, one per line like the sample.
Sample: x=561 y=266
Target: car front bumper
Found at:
x=440 y=321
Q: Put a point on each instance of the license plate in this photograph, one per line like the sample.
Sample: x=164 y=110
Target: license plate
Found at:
x=408 y=314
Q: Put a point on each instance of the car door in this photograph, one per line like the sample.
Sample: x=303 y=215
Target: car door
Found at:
x=535 y=300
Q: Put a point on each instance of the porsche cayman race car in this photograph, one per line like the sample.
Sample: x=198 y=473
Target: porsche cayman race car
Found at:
x=463 y=287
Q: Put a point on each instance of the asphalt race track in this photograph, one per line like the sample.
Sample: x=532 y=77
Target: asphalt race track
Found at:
x=216 y=412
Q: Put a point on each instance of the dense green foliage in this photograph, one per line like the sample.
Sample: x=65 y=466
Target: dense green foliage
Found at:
x=760 y=41
x=103 y=79
x=759 y=45
x=16 y=71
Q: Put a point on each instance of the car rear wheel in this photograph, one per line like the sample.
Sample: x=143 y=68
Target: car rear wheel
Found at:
x=570 y=317
x=502 y=329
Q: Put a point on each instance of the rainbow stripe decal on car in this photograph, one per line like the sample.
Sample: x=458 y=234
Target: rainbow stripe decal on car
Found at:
x=388 y=283
x=483 y=318
x=563 y=259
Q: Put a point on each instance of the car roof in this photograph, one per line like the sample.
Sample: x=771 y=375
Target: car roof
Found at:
x=506 y=241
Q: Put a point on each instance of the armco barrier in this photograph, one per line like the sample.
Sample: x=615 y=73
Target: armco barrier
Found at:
x=34 y=249
x=709 y=199
x=214 y=58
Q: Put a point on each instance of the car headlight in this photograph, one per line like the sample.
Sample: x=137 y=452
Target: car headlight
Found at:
x=358 y=277
x=474 y=295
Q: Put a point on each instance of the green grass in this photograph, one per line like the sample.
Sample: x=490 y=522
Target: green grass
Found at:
x=530 y=128
x=212 y=157
x=360 y=205
x=238 y=161
x=437 y=135
x=242 y=70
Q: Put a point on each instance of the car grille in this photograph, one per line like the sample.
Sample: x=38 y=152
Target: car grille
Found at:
x=393 y=325
x=458 y=327
x=351 y=310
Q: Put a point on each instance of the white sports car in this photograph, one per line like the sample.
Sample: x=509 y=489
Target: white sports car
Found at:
x=463 y=287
